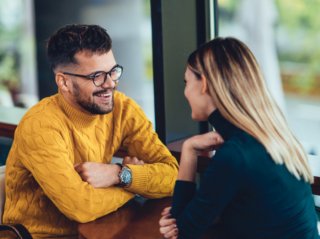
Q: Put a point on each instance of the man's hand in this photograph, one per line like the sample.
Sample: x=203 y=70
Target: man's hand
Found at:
x=168 y=226
x=99 y=175
x=132 y=160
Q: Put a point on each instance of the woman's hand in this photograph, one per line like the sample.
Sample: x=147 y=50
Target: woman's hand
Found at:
x=204 y=142
x=191 y=147
x=168 y=226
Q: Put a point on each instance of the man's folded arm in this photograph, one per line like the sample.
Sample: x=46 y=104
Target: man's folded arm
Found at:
x=156 y=178
x=46 y=156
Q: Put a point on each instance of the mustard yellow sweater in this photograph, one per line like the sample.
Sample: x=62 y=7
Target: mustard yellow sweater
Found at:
x=46 y=194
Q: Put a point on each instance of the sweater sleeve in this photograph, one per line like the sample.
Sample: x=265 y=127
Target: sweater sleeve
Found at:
x=183 y=194
x=43 y=149
x=157 y=176
x=219 y=184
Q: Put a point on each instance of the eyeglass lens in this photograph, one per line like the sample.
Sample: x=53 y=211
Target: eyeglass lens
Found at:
x=114 y=74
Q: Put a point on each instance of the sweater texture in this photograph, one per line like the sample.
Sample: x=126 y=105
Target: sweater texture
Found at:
x=46 y=194
x=244 y=194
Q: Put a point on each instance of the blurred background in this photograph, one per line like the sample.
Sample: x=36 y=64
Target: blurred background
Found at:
x=283 y=34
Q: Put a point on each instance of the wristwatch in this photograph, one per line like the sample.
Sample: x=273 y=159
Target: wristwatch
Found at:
x=125 y=175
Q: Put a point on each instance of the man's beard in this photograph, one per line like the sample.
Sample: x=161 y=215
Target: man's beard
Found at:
x=93 y=108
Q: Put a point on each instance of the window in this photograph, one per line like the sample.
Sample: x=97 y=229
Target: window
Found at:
x=283 y=35
x=18 y=86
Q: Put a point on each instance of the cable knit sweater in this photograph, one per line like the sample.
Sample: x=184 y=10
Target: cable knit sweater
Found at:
x=46 y=194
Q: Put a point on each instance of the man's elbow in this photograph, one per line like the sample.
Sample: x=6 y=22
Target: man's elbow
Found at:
x=82 y=217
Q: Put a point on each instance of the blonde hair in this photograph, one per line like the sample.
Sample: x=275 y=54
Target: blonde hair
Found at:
x=240 y=94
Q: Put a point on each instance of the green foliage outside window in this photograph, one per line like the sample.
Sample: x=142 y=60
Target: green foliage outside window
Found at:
x=297 y=38
x=11 y=30
x=300 y=20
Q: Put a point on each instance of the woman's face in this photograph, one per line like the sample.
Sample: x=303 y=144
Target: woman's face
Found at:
x=197 y=96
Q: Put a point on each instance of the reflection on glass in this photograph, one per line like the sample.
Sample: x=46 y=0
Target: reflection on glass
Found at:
x=283 y=34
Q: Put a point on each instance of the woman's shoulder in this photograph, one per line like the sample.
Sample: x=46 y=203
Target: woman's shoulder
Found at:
x=244 y=142
x=239 y=150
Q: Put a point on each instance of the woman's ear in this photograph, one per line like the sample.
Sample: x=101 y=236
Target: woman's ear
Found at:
x=204 y=88
x=61 y=81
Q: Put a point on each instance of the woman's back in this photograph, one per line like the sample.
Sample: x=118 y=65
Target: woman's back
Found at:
x=257 y=185
x=270 y=201
x=252 y=196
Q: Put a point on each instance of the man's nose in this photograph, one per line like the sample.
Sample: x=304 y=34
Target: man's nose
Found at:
x=108 y=82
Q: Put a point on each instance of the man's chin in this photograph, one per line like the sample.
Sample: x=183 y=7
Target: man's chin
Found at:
x=106 y=111
x=103 y=110
x=96 y=109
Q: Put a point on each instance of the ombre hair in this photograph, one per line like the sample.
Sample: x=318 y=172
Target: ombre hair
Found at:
x=239 y=92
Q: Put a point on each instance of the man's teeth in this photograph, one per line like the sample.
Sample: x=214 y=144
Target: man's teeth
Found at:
x=103 y=95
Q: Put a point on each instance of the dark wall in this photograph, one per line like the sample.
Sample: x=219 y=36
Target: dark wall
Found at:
x=49 y=16
x=179 y=26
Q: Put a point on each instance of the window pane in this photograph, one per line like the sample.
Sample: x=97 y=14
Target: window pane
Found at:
x=284 y=36
x=18 y=85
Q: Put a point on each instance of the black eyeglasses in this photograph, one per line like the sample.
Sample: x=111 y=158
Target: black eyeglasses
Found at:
x=100 y=77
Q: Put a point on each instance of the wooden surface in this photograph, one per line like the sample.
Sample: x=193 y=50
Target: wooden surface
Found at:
x=136 y=220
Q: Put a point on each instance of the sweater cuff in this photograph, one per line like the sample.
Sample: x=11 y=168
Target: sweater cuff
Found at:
x=139 y=178
x=183 y=193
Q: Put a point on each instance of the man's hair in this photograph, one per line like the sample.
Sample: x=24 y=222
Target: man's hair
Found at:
x=71 y=39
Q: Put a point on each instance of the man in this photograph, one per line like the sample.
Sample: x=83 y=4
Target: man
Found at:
x=58 y=170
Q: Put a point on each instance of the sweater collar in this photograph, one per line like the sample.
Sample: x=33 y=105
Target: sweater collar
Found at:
x=78 y=117
x=221 y=125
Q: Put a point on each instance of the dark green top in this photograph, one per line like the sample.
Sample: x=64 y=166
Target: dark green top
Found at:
x=249 y=194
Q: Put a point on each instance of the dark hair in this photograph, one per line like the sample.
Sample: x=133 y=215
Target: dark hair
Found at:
x=71 y=39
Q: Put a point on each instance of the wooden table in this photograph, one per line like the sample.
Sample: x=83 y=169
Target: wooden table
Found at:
x=138 y=219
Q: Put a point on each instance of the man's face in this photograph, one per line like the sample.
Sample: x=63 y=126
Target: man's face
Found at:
x=84 y=94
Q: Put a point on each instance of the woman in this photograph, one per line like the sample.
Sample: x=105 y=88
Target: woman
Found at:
x=257 y=184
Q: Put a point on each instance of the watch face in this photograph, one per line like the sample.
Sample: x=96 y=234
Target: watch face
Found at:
x=126 y=176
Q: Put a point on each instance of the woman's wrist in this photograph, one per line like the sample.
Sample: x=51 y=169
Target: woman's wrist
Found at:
x=188 y=163
x=188 y=149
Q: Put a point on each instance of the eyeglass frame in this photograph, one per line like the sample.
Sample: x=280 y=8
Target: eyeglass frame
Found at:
x=92 y=76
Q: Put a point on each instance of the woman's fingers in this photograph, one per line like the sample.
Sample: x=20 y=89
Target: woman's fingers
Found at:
x=169 y=231
x=164 y=221
x=173 y=233
x=205 y=142
x=166 y=211
x=168 y=226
